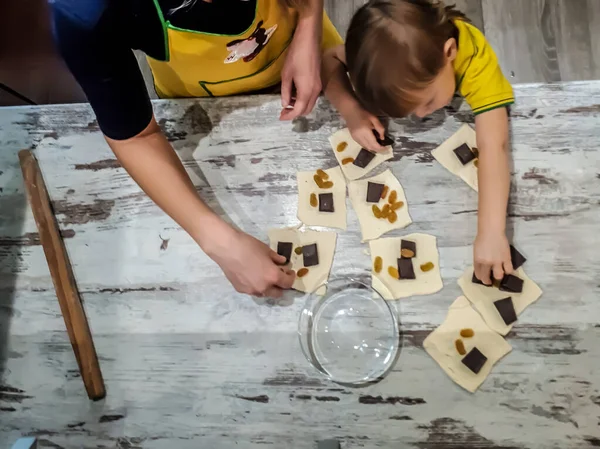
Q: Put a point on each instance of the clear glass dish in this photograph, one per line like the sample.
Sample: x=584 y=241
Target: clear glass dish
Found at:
x=351 y=334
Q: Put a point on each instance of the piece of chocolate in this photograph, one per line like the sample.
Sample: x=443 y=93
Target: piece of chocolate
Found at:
x=506 y=309
x=410 y=245
x=285 y=249
x=310 y=255
x=464 y=154
x=510 y=283
x=474 y=360
x=516 y=258
x=326 y=202
x=405 y=269
x=364 y=158
x=386 y=141
x=374 y=192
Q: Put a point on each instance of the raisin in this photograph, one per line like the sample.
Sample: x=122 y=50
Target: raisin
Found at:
x=427 y=267
x=397 y=205
x=393 y=197
x=467 y=333
x=322 y=174
x=460 y=346
x=327 y=185
x=298 y=250
x=385 y=211
x=384 y=192
x=376 y=211
x=476 y=162
x=341 y=147
x=378 y=264
x=392 y=217
x=407 y=253
x=318 y=181
x=393 y=272
x=302 y=272
x=475 y=151
x=314 y=202
x=347 y=160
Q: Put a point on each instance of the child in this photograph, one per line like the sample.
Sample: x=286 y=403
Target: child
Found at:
x=409 y=57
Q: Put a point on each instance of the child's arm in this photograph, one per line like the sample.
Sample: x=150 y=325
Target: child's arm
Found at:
x=339 y=92
x=491 y=249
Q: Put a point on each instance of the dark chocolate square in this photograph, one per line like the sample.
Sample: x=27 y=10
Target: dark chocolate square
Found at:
x=326 y=202
x=285 y=249
x=464 y=154
x=386 y=141
x=477 y=281
x=364 y=158
x=474 y=360
x=374 y=192
x=506 y=309
x=408 y=244
x=405 y=269
x=310 y=255
x=516 y=258
x=510 y=283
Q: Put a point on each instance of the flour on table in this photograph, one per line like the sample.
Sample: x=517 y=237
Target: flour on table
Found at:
x=371 y=226
x=389 y=250
x=311 y=215
x=318 y=274
x=352 y=150
x=441 y=345
x=483 y=298
x=445 y=155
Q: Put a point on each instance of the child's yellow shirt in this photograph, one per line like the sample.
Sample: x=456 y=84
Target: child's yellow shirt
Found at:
x=479 y=78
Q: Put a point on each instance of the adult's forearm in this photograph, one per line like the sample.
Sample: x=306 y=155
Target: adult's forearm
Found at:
x=154 y=165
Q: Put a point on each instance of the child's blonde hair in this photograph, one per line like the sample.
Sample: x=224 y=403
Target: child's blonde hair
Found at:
x=396 y=47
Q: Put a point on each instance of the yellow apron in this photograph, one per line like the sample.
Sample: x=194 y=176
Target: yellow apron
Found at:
x=203 y=64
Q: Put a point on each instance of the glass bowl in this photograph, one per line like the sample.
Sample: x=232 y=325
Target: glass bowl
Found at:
x=351 y=334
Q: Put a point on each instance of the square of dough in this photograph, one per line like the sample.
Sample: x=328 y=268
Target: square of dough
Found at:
x=483 y=298
x=311 y=216
x=371 y=226
x=445 y=155
x=318 y=274
x=440 y=344
x=351 y=171
x=389 y=250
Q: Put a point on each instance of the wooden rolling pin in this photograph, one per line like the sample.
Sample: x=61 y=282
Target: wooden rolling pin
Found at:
x=62 y=276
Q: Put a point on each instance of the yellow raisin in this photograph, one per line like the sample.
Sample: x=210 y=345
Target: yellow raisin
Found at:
x=384 y=192
x=385 y=211
x=397 y=205
x=393 y=197
x=298 y=250
x=392 y=216
x=347 y=160
x=467 y=333
x=460 y=346
x=376 y=211
x=393 y=272
x=327 y=185
x=341 y=146
x=476 y=162
x=427 y=267
x=318 y=181
x=407 y=253
x=313 y=200
x=302 y=272
x=322 y=174
x=378 y=264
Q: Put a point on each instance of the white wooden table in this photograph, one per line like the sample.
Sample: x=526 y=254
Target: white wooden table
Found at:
x=189 y=363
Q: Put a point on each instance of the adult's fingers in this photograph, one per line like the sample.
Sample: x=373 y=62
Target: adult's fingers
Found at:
x=277 y=258
x=311 y=104
x=483 y=273
x=286 y=90
x=498 y=271
x=508 y=266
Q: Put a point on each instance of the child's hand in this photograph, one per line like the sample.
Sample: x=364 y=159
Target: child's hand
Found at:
x=491 y=254
x=361 y=125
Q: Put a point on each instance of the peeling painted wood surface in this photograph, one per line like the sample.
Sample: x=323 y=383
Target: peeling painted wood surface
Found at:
x=189 y=363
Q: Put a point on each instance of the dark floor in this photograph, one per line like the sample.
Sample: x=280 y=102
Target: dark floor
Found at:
x=536 y=41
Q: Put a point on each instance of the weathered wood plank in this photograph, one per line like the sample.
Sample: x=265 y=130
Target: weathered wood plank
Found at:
x=187 y=366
